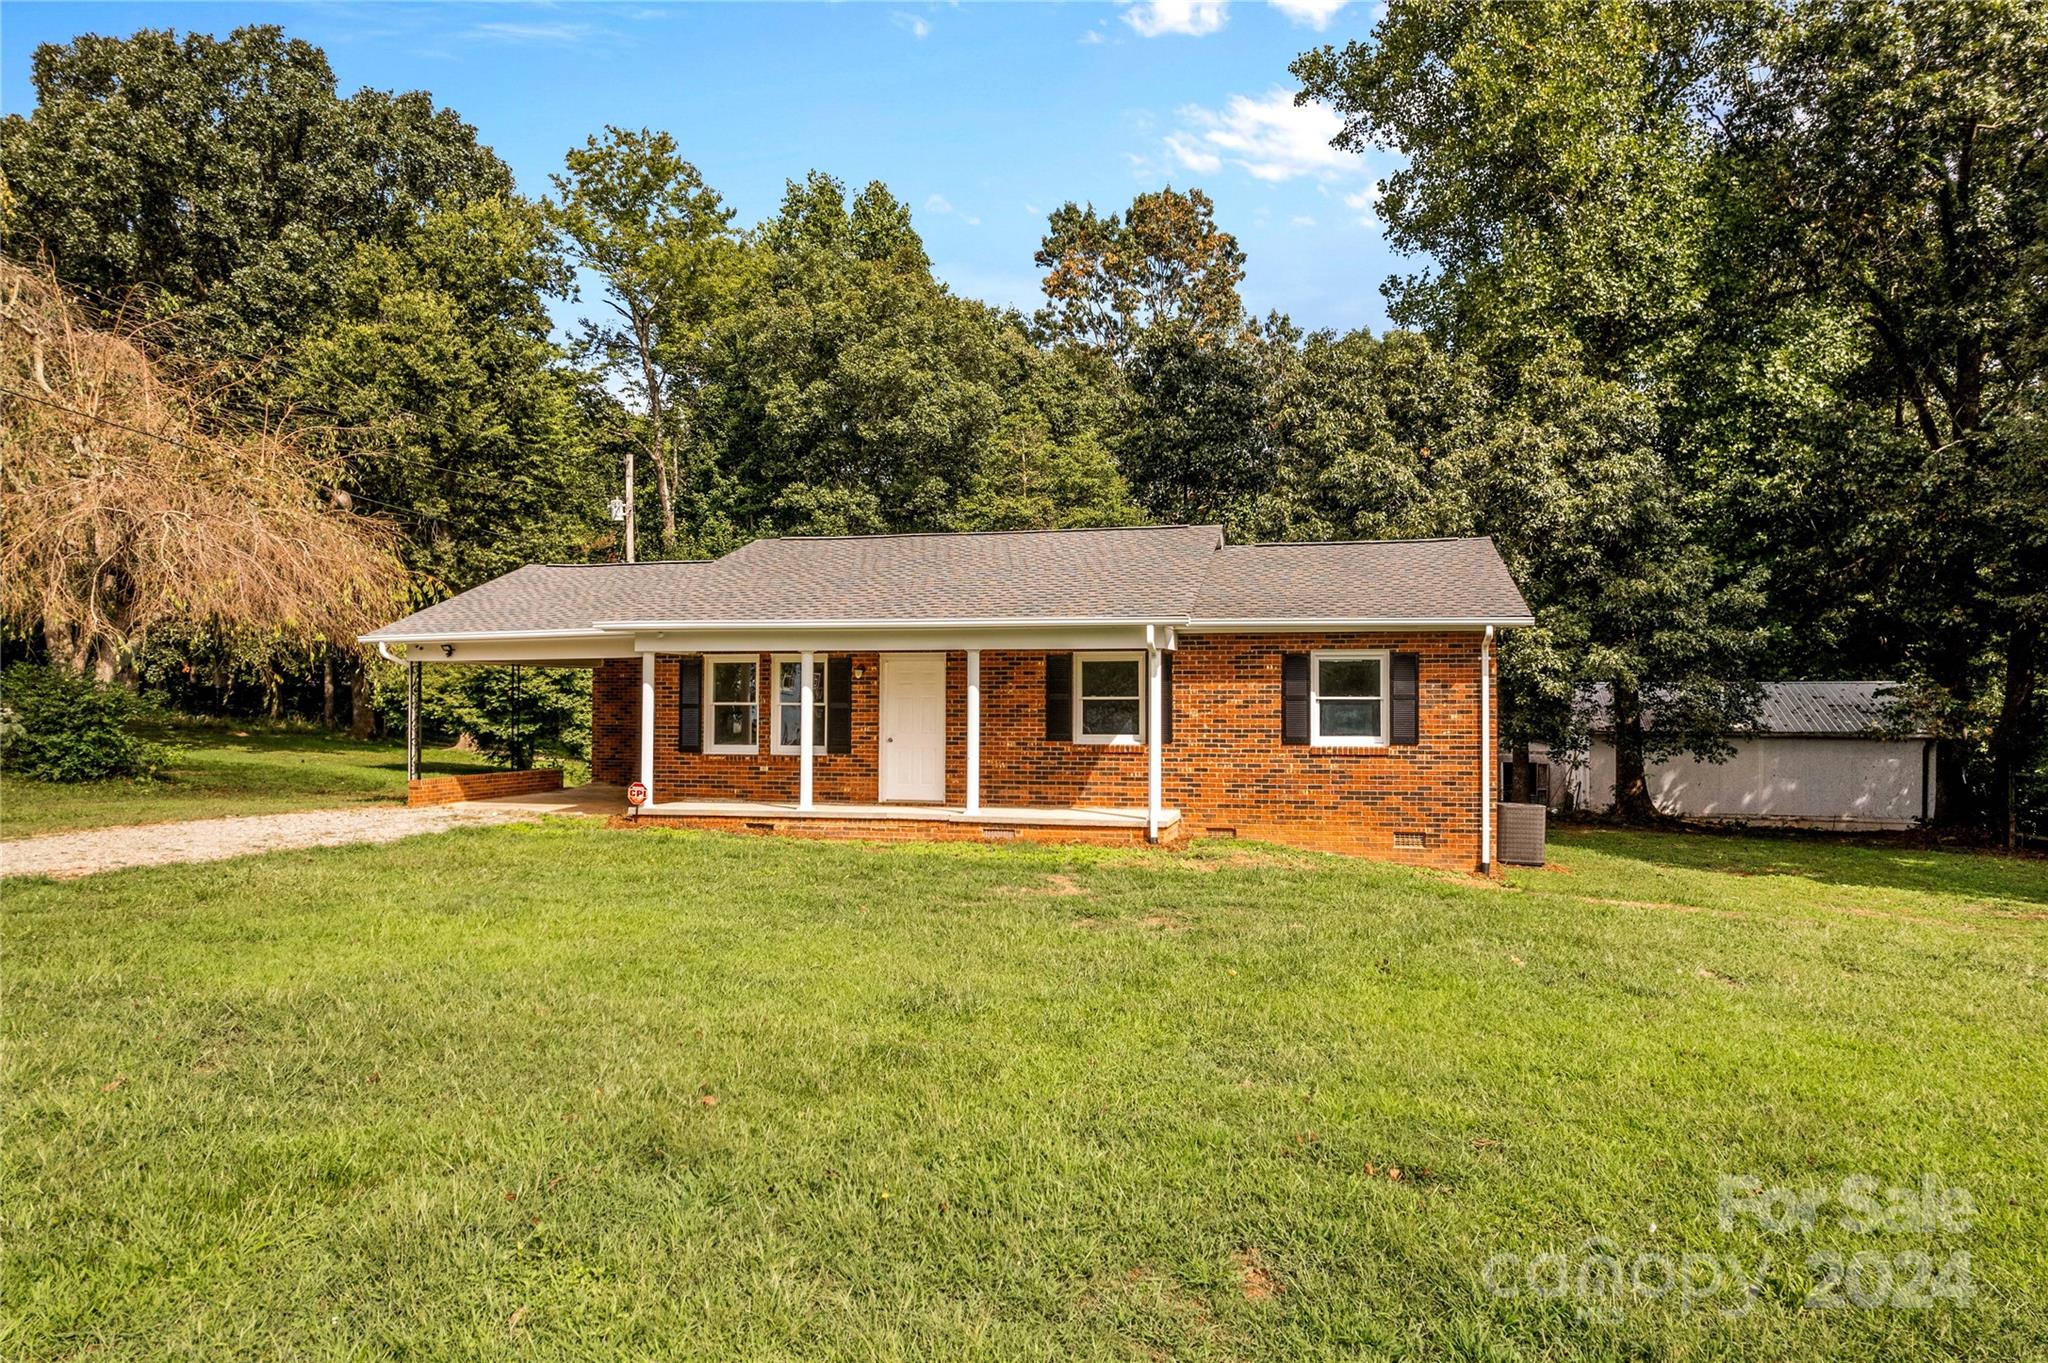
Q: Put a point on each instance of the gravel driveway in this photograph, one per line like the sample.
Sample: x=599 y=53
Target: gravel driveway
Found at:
x=111 y=849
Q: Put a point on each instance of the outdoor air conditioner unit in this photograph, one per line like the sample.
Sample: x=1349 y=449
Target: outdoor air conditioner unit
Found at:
x=1518 y=833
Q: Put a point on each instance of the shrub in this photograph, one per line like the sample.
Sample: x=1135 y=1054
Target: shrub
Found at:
x=57 y=727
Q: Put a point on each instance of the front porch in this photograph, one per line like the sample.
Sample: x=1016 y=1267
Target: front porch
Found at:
x=930 y=742
x=927 y=823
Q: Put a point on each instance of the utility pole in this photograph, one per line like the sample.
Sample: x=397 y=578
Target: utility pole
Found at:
x=629 y=501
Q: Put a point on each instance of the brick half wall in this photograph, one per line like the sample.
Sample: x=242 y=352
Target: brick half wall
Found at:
x=481 y=785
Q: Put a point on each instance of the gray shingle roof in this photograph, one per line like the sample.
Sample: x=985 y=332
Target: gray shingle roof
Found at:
x=1807 y=709
x=1440 y=579
x=546 y=598
x=1142 y=573
x=1147 y=573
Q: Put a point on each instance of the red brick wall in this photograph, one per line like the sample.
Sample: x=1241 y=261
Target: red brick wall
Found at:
x=841 y=778
x=481 y=785
x=1226 y=769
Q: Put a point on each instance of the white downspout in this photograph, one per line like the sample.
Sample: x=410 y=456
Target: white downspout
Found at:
x=1486 y=752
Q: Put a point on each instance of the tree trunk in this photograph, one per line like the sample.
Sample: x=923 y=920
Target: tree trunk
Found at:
x=327 y=688
x=61 y=641
x=362 y=694
x=1631 y=783
x=2011 y=736
x=651 y=376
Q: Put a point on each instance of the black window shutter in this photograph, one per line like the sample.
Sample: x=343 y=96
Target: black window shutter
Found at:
x=839 y=703
x=1166 y=698
x=1403 y=693
x=690 y=703
x=1059 y=697
x=1294 y=698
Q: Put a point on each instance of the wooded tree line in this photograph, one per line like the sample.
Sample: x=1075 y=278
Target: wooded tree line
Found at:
x=1728 y=326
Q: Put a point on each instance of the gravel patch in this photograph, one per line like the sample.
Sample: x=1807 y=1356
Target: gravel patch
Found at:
x=64 y=855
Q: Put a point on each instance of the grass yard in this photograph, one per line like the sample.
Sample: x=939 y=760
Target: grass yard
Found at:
x=554 y=1091
x=228 y=770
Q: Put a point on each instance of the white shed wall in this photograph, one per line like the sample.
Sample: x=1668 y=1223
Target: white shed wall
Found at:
x=1819 y=782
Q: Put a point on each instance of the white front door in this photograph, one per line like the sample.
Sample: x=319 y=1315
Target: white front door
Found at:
x=913 y=726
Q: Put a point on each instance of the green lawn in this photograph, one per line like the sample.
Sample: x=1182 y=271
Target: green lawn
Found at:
x=221 y=770
x=555 y=1091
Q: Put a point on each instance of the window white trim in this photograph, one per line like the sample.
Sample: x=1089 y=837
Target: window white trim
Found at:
x=711 y=706
x=775 y=703
x=1137 y=661
x=1316 y=737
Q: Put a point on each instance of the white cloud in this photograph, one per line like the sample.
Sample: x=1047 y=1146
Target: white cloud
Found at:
x=1365 y=201
x=910 y=23
x=1315 y=13
x=1194 y=18
x=552 y=34
x=1301 y=220
x=1268 y=136
x=1191 y=154
x=1091 y=37
x=940 y=204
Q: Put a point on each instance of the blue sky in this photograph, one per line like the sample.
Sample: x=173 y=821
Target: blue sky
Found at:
x=983 y=117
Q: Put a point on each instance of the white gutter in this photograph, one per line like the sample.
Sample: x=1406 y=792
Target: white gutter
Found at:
x=993 y=622
x=1336 y=623
x=1486 y=751
x=380 y=638
x=610 y=628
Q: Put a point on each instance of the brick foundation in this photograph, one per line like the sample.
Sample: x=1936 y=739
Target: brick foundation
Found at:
x=1226 y=769
x=481 y=785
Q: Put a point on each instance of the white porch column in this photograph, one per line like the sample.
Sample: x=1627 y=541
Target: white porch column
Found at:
x=1486 y=750
x=647 y=725
x=973 y=729
x=806 y=741
x=1152 y=745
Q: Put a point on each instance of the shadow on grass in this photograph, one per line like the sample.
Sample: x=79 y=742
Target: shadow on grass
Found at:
x=1829 y=860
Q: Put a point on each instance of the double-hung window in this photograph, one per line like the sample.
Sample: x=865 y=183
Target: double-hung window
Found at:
x=789 y=704
x=1109 y=698
x=731 y=703
x=1347 y=699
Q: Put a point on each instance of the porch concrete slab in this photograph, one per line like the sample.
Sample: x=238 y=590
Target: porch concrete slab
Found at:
x=987 y=814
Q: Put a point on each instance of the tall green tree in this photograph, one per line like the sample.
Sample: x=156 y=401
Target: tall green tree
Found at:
x=1888 y=164
x=1807 y=233
x=439 y=382
x=221 y=179
x=1363 y=431
x=1560 y=187
x=850 y=389
x=1110 y=278
x=1049 y=465
x=641 y=218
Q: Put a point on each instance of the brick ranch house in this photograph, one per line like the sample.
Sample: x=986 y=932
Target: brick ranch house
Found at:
x=1142 y=684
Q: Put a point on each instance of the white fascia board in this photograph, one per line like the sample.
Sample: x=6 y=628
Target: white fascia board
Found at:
x=1350 y=626
x=378 y=636
x=964 y=622
x=563 y=649
x=783 y=638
